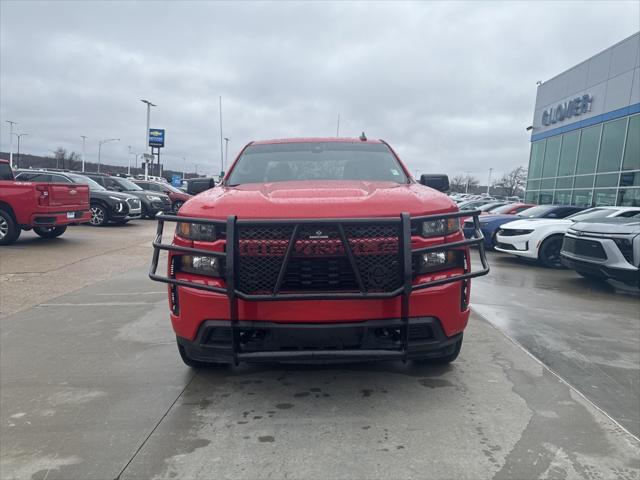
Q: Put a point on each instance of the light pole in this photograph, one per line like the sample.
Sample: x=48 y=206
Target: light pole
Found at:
x=100 y=142
x=131 y=152
x=226 y=152
x=184 y=168
x=18 y=156
x=466 y=188
x=145 y=145
x=338 y=127
x=489 y=182
x=84 y=139
x=221 y=157
x=11 y=124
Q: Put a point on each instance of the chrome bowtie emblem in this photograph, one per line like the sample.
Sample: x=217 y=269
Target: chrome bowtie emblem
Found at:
x=319 y=234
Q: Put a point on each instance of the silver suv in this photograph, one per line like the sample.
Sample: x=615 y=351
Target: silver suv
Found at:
x=608 y=248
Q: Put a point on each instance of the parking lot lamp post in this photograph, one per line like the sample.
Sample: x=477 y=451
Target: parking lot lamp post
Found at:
x=18 y=155
x=84 y=139
x=11 y=124
x=146 y=133
x=100 y=142
x=489 y=181
x=184 y=168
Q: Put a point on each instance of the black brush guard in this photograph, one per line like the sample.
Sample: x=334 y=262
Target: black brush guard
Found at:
x=231 y=257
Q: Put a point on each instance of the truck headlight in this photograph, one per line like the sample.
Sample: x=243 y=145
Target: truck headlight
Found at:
x=439 y=228
x=196 y=231
x=201 y=265
x=439 y=260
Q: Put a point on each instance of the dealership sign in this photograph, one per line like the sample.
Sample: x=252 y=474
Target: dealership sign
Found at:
x=562 y=111
x=156 y=137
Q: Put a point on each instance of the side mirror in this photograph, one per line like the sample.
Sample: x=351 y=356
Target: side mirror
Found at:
x=199 y=185
x=436 y=181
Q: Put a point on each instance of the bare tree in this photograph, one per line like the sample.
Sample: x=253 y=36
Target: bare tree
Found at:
x=60 y=154
x=457 y=183
x=513 y=181
x=462 y=183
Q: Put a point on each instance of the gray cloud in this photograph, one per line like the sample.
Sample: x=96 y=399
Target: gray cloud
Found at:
x=450 y=85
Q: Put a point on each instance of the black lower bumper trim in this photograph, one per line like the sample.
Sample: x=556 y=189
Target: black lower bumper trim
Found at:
x=630 y=277
x=354 y=341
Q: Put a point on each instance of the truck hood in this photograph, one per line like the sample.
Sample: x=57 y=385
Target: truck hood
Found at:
x=318 y=199
x=609 y=225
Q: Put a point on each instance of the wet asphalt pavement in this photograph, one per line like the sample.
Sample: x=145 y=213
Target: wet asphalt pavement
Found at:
x=586 y=331
x=92 y=388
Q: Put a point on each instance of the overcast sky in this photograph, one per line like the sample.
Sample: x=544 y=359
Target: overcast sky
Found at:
x=450 y=85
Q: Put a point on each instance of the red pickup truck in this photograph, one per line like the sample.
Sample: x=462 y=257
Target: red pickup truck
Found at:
x=46 y=207
x=319 y=250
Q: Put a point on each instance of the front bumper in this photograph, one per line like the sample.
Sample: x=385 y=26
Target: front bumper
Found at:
x=396 y=302
x=516 y=245
x=362 y=341
x=628 y=276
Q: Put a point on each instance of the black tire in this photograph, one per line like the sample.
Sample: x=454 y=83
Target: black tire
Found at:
x=549 y=253
x=445 y=359
x=50 y=232
x=99 y=215
x=176 y=205
x=9 y=231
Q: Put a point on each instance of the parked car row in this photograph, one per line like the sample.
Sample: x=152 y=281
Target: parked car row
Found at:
x=600 y=242
x=48 y=200
x=47 y=208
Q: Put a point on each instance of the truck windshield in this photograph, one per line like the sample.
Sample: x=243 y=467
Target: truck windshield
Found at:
x=282 y=162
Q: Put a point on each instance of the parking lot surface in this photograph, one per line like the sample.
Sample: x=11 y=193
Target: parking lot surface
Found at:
x=92 y=387
x=587 y=331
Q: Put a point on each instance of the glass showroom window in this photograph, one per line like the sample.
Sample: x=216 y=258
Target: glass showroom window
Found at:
x=588 y=151
x=536 y=159
x=607 y=180
x=569 y=153
x=629 y=197
x=630 y=179
x=546 y=197
x=581 y=198
x=604 y=197
x=611 y=145
x=562 y=197
x=551 y=155
x=632 y=148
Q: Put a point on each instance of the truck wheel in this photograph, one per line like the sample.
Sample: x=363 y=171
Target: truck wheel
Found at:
x=50 y=232
x=9 y=231
x=549 y=254
x=445 y=359
x=99 y=215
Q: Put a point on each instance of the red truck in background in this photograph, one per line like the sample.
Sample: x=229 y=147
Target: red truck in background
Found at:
x=47 y=208
x=319 y=250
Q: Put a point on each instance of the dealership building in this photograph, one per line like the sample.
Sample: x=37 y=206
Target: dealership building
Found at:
x=585 y=142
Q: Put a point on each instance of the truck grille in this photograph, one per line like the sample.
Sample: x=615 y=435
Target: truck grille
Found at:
x=318 y=259
x=133 y=203
x=584 y=248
